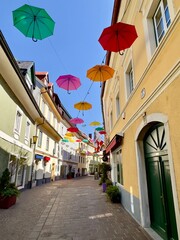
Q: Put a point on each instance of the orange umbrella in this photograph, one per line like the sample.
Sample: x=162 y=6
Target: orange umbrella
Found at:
x=100 y=73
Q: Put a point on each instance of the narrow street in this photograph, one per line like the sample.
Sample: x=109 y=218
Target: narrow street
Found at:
x=68 y=210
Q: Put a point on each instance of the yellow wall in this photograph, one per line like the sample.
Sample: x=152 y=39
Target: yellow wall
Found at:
x=159 y=75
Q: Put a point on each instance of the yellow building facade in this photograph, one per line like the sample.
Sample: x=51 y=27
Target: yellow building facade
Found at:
x=141 y=111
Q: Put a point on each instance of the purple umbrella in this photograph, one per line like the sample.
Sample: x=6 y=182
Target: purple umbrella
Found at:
x=68 y=82
x=76 y=120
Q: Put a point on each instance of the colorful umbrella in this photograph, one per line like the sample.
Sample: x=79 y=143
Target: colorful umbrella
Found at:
x=85 y=140
x=99 y=129
x=65 y=140
x=95 y=123
x=76 y=120
x=100 y=73
x=118 y=37
x=68 y=82
x=73 y=129
x=102 y=132
x=78 y=140
x=33 y=22
x=83 y=106
x=69 y=134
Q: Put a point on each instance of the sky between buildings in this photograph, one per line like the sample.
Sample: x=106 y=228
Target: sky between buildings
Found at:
x=73 y=48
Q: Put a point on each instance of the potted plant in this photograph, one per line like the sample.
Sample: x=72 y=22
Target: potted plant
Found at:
x=114 y=194
x=8 y=191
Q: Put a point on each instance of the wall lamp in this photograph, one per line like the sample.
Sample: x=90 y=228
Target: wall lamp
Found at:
x=33 y=140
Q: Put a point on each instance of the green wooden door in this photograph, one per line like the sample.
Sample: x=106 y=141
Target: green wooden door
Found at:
x=161 y=204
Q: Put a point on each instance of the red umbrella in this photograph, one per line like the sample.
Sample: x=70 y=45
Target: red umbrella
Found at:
x=78 y=140
x=68 y=82
x=102 y=132
x=76 y=120
x=73 y=129
x=118 y=37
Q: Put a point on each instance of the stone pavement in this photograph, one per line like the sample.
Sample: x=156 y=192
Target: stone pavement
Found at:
x=68 y=210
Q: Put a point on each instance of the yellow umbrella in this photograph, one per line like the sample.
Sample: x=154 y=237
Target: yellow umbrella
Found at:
x=83 y=106
x=100 y=73
x=95 y=123
x=69 y=134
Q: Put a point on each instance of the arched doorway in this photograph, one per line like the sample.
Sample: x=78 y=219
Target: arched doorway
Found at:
x=161 y=204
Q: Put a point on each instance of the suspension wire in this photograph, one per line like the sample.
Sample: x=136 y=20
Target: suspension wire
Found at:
x=57 y=55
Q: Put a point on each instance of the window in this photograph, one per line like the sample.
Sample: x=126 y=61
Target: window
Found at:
x=49 y=116
x=54 y=150
x=43 y=107
x=161 y=20
x=117 y=106
x=47 y=143
x=111 y=120
x=129 y=79
x=40 y=139
x=18 y=121
x=119 y=168
x=27 y=131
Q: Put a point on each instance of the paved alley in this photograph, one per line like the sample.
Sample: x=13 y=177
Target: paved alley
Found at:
x=68 y=210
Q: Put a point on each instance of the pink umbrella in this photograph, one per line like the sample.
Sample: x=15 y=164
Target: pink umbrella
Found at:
x=68 y=82
x=76 y=120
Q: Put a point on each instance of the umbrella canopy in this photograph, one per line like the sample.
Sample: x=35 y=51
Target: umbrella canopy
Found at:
x=100 y=73
x=83 y=106
x=85 y=140
x=65 y=140
x=118 y=37
x=73 y=129
x=102 y=132
x=68 y=82
x=33 y=22
x=76 y=120
x=95 y=123
x=69 y=134
x=99 y=129
x=78 y=140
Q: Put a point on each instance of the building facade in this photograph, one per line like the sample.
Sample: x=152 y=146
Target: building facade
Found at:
x=141 y=114
x=19 y=113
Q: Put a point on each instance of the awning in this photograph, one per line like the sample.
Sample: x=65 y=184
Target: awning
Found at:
x=114 y=143
x=38 y=156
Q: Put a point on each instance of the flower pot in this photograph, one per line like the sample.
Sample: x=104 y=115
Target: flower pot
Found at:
x=104 y=187
x=7 y=202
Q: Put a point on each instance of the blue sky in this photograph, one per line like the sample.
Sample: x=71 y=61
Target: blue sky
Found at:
x=73 y=48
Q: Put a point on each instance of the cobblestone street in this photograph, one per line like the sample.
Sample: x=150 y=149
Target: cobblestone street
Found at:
x=68 y=210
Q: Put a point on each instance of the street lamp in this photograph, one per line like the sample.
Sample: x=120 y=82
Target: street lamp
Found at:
x=33 y=141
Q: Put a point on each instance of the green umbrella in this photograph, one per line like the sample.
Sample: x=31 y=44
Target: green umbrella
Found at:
x=99 y=128
x=33 y=22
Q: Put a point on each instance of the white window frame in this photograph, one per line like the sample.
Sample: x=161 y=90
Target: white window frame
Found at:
x=129 y=76
x=47 y=143
x=118 y=110
x=43 y=105
x=165 y=24
x=111 y=120
x=40 y=136
x=27 y=131
x=18 y=123
x=148 y=13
